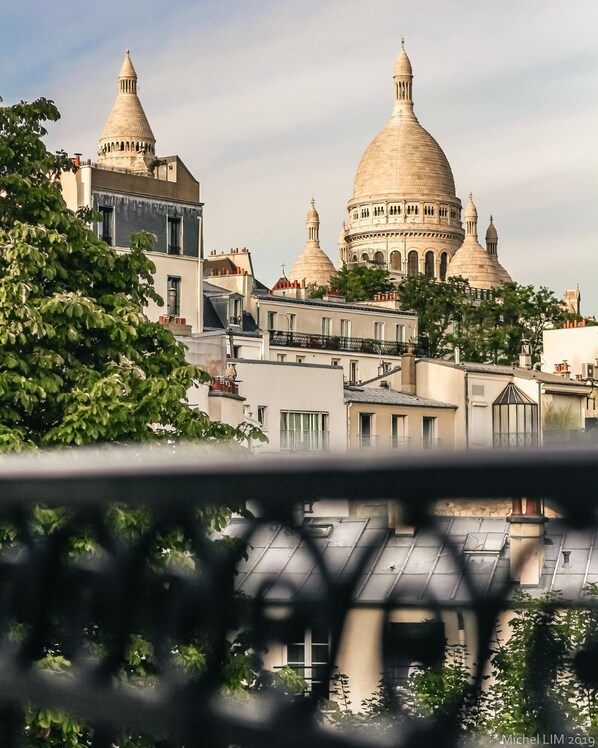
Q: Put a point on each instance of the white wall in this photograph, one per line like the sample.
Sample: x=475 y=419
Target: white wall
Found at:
x=576 y=345
x=294 y=387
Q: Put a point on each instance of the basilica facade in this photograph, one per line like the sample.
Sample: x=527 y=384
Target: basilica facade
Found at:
x=404 y=214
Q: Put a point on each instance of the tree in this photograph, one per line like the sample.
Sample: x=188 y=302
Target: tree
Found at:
x=357 y=283
x=485 y=329
x=80 y=363
x=79 y=360
x=437 y=305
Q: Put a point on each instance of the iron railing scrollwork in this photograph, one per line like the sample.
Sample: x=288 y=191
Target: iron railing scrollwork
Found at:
x=89 y=602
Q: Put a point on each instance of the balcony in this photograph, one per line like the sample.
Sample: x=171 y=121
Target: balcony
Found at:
x=290 y=339
x=224 y=384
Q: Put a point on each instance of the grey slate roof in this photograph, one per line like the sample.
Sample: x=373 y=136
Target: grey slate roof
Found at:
x=409 y=569
x=540 y=376
x=383 y=396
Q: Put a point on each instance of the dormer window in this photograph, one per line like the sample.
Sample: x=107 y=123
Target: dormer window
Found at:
x=235 y=308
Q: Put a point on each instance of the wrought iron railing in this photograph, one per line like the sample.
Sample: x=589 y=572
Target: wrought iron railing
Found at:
x=291 y=339
x=54 y=595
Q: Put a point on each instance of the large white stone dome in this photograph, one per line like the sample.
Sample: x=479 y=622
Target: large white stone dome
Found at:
x=403 y=160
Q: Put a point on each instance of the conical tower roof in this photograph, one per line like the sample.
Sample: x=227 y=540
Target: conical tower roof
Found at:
x=127 y=140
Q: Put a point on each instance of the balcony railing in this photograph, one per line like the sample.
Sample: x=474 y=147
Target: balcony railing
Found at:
x=89 y=601
x=337 y=343
x=304 y=441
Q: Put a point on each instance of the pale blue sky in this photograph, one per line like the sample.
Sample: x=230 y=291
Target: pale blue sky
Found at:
x=269 y=102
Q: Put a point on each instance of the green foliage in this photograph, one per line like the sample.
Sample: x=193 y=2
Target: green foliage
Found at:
x=357 y=283
x=437 y=305
x=80 y=362
x=490 y=329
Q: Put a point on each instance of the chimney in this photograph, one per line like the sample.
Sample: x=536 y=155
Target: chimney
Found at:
x=525 y=356
x=408 y=382
x=526 y=534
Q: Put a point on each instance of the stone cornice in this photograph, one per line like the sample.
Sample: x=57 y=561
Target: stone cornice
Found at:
x=409 y=234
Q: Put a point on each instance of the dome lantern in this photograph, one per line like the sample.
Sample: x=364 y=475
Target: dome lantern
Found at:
x=492 y=238
x=403 y=83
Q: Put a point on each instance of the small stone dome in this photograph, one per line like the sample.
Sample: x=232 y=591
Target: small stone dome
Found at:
x=471 y=261
x=313 y=265
x=491 y=232
x=403 y=63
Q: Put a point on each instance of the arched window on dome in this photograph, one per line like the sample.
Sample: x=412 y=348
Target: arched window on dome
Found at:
x=443 y=265
x=122 y=146
x=365 y=257
x=412 y=263
x=354 y=258
x=379 y=258
x=395 y=261
x=429 y=264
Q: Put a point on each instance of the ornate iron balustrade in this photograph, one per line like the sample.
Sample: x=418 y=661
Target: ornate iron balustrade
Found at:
x=117 y=590
x=291 y=339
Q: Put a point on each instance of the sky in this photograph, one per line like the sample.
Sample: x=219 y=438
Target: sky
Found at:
x=272 y=102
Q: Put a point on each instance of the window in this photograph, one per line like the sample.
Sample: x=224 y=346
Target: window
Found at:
x=442 y=212
x=413 y=210
x=292 y=319
x=271 y=320
x=412 y=263
x=261 y=415
x=395 y=260
x=302 y=431
x=477 y=427
x=428 y=210
x=399 y=431
x=106 y=226
x=308 y=656
x=429 y=439
x=345 y=328
x=443 y=265
x=378 y=330
x=174 y=235
x=280 y=357
x=299 y=359
x=355 y=215
x=235 y=308
x=365 y=430
x=173 y=296
x=326 y=325
x=514 y=419
x=335 y=362
x=394 y=210
x=453 y=213
x=378 y=210
x=365 y=212
x=400 y=333
x=429 y=264
x=410 y=646
x=379 y=258
x=353 y=371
